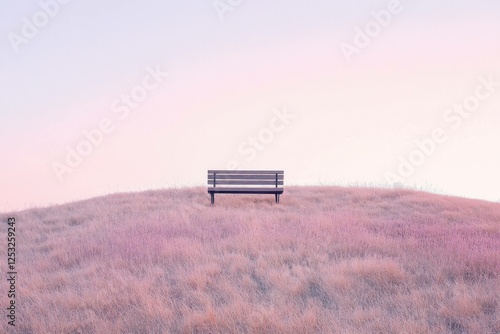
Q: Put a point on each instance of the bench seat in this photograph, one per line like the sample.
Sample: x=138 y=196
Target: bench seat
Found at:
x=245 y=182
x=230 y=190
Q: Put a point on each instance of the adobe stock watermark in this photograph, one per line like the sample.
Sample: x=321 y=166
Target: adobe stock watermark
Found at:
x=453 y=118
x=259 y=141
x=223 y=7
x=364 y=36
x=30 y=27
x=121 y=107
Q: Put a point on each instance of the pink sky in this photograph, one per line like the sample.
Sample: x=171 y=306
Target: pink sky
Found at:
x=352 y=121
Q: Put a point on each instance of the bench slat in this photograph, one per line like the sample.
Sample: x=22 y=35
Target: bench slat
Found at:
x=256 y=172
x=230 y=190
x=246 y=182
x=245 y=177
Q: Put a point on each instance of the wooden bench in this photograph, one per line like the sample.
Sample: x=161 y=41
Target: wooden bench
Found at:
x=245 y=182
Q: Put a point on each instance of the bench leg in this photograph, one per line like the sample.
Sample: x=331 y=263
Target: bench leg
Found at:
x=277 y=198
x=212 y=198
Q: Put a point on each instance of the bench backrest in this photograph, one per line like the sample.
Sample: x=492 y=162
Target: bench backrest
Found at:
x=248 y=178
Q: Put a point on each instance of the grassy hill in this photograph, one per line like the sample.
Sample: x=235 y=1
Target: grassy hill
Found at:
x=324 y=260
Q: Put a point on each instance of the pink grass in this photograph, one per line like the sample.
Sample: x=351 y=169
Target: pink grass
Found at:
x=324 y=260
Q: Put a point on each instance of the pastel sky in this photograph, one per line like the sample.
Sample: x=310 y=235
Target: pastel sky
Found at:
x=332 y=91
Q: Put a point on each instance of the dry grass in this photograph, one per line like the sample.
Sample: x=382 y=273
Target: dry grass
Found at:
x=325 y=260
